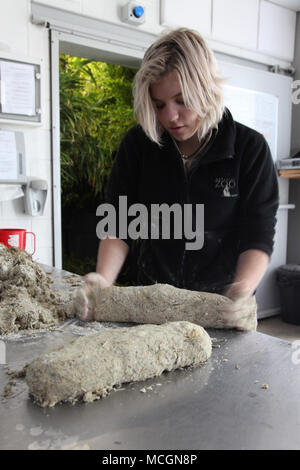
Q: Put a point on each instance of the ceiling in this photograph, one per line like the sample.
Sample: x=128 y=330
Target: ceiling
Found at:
x=292 y=4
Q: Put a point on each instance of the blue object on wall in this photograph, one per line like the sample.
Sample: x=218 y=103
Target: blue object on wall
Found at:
x=138 y=11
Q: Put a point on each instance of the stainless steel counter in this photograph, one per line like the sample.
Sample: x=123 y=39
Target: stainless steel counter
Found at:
x=220 y=405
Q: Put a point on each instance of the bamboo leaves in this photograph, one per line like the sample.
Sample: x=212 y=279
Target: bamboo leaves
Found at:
x=95 y=113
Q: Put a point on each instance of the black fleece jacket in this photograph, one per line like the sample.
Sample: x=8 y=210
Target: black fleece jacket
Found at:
x=236 y=181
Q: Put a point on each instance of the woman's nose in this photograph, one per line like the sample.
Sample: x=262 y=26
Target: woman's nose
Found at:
x=172 y=114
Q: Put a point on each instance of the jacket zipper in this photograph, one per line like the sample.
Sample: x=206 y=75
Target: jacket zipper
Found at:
x=187 y=179
x=181 y=277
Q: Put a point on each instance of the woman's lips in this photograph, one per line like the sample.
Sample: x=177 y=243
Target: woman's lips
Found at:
x=176 y=129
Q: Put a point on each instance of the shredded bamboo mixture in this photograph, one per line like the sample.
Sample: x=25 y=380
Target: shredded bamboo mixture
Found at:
x=27 y=301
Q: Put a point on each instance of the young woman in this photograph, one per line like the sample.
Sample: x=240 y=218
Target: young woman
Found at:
x=187 y=149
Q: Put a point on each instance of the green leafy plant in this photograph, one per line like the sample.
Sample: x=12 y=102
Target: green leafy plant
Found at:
x=95 y=113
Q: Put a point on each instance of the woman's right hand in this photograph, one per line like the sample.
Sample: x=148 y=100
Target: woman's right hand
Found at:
x=83 y=305
x=96 y=280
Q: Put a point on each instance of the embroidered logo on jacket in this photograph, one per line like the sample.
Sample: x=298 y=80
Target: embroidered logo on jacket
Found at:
x=227 y=186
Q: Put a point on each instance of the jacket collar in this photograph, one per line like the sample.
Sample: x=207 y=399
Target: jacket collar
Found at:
x=222 y=144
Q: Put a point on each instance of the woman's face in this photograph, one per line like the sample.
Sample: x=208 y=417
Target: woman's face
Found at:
x=181 y=122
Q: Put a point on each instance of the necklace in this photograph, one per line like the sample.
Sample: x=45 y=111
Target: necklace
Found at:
x=201 y=147
x=186 y=157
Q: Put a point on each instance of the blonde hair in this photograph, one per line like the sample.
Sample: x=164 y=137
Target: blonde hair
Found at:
x=185 y=52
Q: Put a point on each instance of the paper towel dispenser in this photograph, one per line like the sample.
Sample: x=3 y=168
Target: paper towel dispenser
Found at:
x=13 y=180
x=35 y=196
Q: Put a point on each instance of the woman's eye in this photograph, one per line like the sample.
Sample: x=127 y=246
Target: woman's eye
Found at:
x=161 y=105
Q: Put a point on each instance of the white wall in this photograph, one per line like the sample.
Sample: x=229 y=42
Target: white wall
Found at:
x=259 y=29
x=22 y=40
x=109 y=10
x=293 y=252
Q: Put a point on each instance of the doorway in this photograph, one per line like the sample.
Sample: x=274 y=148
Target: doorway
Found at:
x=96 y=110
x=116 y=46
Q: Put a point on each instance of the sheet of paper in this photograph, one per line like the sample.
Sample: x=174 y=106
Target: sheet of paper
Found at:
x=8 y=156
x=256 y=110
x=17 y=88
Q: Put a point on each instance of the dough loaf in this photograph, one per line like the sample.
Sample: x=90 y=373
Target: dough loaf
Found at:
x=160 y=303
x=89 y=367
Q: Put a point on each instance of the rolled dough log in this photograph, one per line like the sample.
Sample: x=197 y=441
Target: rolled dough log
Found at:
x=88 y=367
x=160 y=303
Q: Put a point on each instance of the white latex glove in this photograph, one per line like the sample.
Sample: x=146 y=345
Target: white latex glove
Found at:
x=242 y=312
x=83 y=308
